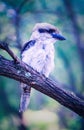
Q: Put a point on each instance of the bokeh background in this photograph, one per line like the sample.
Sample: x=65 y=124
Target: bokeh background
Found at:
x=17 y=18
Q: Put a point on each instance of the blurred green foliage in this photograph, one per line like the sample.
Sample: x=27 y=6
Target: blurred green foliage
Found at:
x=17 y=18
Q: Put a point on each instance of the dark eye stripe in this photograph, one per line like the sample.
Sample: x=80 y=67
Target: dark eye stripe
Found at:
x=46 y=30
x=42 y=30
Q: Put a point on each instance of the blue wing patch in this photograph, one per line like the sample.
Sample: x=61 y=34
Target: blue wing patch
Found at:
x=28 y=45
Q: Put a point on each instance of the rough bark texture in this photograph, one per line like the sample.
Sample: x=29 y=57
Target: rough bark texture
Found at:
x=52 y=89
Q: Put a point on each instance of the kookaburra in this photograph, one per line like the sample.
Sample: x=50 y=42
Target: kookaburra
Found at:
x=39 y=54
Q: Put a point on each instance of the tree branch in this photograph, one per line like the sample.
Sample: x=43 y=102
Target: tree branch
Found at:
x=20 y=72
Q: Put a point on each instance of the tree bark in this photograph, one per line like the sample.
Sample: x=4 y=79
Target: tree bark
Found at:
x=39 y=82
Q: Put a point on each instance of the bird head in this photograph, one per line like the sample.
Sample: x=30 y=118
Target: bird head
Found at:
x=45 y=31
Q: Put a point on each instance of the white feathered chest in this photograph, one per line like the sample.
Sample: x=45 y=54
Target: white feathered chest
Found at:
x=40 y=56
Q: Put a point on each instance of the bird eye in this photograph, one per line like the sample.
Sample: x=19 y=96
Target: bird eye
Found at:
x=51 y=31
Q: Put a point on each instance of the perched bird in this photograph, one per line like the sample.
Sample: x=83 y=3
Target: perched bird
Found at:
x=39 y=54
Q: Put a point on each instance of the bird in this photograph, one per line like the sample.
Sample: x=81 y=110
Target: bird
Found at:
x=38 y=53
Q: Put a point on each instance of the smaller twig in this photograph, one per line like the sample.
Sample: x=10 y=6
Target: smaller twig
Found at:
x=4 y=46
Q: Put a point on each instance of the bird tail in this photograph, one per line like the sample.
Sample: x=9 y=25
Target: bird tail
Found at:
x=25 y=97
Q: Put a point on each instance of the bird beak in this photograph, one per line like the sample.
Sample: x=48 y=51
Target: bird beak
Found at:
x=58 y=36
